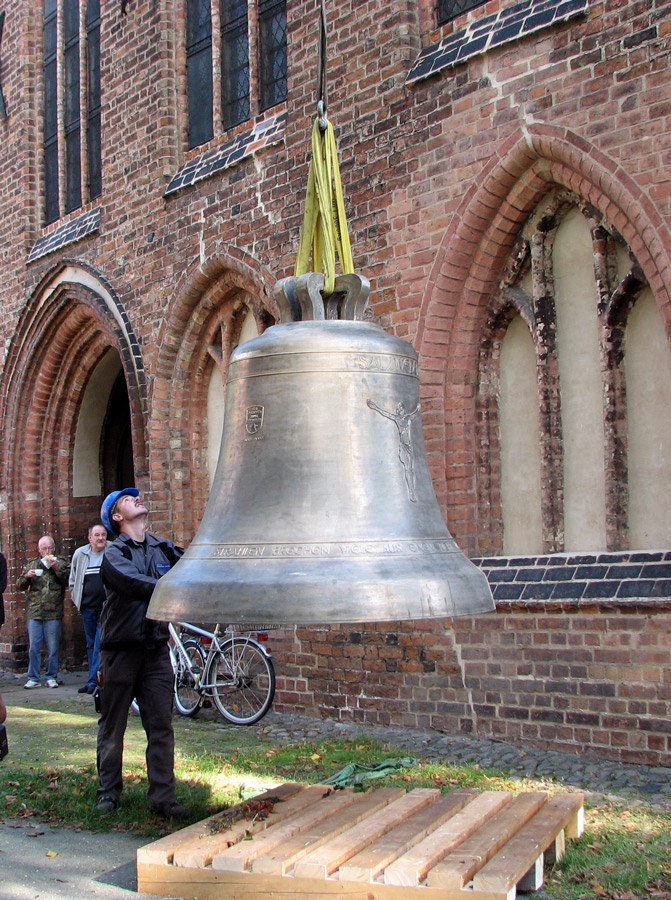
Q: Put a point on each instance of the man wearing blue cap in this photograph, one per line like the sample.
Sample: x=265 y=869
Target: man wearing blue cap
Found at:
x=134 y=655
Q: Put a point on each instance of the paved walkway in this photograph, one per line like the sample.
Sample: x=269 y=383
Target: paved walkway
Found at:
x=103 y=866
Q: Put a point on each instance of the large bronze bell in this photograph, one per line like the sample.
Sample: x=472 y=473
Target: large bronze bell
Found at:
x=322 y=509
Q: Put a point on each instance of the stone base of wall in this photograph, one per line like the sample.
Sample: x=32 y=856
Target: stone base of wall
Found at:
x=588 y=674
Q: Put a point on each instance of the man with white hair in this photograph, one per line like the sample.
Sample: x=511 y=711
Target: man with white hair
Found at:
x=44 y=580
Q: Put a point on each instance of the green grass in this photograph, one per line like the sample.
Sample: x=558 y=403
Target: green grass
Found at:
x=624 y=854
x=49 y=776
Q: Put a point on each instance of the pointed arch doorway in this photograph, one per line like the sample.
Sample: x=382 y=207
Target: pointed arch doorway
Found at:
x=103 y=452
x=73 y=395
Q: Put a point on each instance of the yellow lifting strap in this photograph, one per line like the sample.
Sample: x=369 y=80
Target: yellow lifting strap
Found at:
x=324 y=229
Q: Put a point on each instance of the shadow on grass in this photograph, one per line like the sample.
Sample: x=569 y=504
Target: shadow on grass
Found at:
x=50 y=776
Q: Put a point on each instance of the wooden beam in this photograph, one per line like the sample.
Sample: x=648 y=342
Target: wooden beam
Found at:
x=281 y=859
x=512 y=862
x=412 y=867
x=163 y=850
x=459 y=866
x=368 y=864
x=325 y=860
x=239 y=857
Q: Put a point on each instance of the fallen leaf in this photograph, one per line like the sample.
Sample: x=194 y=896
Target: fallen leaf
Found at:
x=34 y=833
x=51 y=853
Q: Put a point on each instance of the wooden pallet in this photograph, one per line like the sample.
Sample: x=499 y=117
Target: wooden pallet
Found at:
x=297 y=842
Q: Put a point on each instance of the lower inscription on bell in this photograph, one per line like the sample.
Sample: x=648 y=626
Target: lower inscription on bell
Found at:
x=344 y=548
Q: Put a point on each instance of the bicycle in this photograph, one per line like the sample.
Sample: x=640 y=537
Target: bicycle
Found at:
x=236 y=672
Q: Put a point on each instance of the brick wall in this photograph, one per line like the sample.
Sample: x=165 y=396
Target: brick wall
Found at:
x=576 y=656
x=587 y=677
x=440 y=173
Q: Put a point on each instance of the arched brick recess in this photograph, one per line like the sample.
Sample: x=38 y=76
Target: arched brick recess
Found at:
x=200 y=329
x=466 y=275
x=505 y=307
x=66 y=328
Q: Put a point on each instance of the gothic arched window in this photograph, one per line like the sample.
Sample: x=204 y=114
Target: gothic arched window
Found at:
x=574 y=393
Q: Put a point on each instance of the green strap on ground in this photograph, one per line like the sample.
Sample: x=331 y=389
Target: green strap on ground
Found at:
x=358 y=774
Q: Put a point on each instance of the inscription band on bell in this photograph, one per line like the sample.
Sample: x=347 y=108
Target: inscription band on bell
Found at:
x=302 y=363
x=321 y=550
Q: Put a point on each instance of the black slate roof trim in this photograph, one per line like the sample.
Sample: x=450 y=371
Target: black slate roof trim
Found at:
x=264 y=134
x=67 y=233
x=481 y=35
x=623 y=576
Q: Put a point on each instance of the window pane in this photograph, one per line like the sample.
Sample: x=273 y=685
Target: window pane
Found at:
x=234 y=62
x=71 y=20
x=272 y=52
x=72 y=86
x=94 y=158
x=50 y=33
x=93 y=67
x=73 y=191
x=93 y=70
x=199 y=70
x=50 y=183
x=200 y=97
x=450 y=9
x=73 y=197
x=198 y=22
x=50 y=101
x=50 y=124
x=92 y=12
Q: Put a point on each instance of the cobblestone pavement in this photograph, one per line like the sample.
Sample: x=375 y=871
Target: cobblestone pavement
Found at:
x=598 y=777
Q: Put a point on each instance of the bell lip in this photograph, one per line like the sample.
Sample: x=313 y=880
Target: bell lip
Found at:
x=319 y=595
x=334 y=612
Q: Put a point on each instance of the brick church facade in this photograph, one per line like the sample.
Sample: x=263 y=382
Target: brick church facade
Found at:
x=506 y=168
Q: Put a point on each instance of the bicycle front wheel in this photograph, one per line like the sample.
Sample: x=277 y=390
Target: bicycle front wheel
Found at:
x=243 y=681
x=187 y=699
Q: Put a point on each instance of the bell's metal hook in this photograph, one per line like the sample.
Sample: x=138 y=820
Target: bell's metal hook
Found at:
x=321 y=112
x=321 y=79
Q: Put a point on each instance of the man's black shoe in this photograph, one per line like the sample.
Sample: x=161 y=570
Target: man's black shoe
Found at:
x=83 y=690
x=172 y=811
x=106 y=805
x=91 y=688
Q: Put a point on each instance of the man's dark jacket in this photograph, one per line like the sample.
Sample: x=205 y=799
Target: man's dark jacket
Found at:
x=129 y=573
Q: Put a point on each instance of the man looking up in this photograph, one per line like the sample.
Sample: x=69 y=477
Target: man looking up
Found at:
x=88 y=595
x=134 y=655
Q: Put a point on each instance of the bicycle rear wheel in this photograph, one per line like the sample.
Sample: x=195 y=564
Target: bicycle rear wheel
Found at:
x=243 y=681
x=187 y=699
